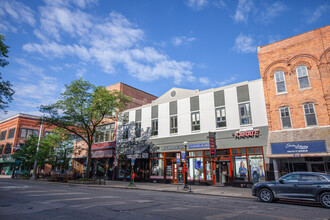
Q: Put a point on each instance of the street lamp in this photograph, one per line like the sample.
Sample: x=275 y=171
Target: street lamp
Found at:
x=132 y=143
x=35 y=161
x=185 y=165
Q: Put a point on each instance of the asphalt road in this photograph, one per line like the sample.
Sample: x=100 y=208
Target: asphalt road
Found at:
x=23 y=199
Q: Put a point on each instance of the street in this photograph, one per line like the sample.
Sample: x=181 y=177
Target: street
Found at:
x=24 y=199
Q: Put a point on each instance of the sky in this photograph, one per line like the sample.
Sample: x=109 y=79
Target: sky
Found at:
x=152 y=45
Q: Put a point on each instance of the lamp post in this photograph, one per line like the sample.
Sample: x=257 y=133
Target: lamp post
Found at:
x=185 y=165
x=132 y=143
x=35 y=161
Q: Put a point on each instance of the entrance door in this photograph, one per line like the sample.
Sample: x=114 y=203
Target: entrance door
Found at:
x=224 y=173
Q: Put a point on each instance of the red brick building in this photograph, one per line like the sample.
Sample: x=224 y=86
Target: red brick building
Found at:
x=103 y=151
x=13 y=133
x=295 y=74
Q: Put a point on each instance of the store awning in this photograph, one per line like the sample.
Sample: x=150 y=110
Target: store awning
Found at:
x=103 y=153
x=138 y=150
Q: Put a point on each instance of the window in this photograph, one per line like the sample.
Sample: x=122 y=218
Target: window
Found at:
x=174 y=125
x=285 y=117
x=154 y=127
x=302 y=75
x=310 y=178
x=11 y=133
x=291 y=178
x=125 y=131
x=104 y=133
x=26 y=133
x=280 y=83
x=47 y=133
x=195 y=122
x=3 y=135
x=310 y=116
x=138 y=129
x=245 y=113
x=221 y=117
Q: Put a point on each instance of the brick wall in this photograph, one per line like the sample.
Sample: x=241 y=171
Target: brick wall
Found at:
x=311 y=49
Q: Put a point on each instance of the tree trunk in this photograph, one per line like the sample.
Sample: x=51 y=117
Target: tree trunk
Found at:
x=89 y=161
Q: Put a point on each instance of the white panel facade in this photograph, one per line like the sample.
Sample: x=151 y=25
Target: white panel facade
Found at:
x=259 y=114
x=163 y=120
x=232 y=113
x=184 y=123
x=146 y=120
x=207 y=112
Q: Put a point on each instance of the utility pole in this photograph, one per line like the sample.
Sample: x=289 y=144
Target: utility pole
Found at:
x=185 y=165
x=35 y=161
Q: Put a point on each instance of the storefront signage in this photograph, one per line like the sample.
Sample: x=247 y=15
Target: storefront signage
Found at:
x=212 y=143
x=194 y=146
x=190 y=147
x=299 y=147
x=7 y=159
x=172 y=147
x=246 y=134
x=102 y=153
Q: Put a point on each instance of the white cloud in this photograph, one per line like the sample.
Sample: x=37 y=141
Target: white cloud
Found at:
x=197 y=4
x=182 y=40
x=272 y=11
x=313 y=16
x=244 y=44
x=243 y=9
x=107 y=42
x=227 y=81
x=16 y=11
x=205 y=81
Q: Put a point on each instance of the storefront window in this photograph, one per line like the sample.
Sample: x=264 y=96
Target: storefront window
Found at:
x=169 y=169
x=195 y=153
x=157 y=169
x=195 y=171
x=208 y=170
x=223 y=152
x=256 y=167
x=124 y=165
x=240 y=168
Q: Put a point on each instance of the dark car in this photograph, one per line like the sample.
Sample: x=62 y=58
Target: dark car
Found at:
x=298 y=185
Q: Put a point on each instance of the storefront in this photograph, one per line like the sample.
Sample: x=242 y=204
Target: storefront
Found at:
x=103 y=160
x=7 y=163
x=305 y=156
x=239 y=161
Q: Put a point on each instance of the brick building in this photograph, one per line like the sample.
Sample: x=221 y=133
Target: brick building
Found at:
x=103 y=151
x=295 y=74
x=13 y=133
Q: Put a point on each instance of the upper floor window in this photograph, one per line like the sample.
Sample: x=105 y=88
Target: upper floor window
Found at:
x=195 y=122
x=173 y=124
x=280 y=82
x=221 y=117
x=285 y=117
x=302 y=75
x=11 y=133
x=154 y=127
x=26 y=133
x=105 y=133
x=3 y=135
x=138 y=129
x=310 y=115
x=8 y=148
x=245 y=113
x=125 y=131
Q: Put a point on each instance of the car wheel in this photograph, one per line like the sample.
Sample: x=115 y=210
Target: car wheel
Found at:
x=325 y=199
x=266 y=195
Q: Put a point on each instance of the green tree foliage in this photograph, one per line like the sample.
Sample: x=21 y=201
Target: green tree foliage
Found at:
x=27 y=153
x=83 y=107
x=6 y=91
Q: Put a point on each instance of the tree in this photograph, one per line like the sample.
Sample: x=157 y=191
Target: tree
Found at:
x=6 y=91
x=83 y=107
x=27 y=153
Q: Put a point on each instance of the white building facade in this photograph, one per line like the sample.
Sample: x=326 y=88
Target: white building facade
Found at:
x=156 y=134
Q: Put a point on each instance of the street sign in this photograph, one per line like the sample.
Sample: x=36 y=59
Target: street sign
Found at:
x=184 y=170
x=132 y=161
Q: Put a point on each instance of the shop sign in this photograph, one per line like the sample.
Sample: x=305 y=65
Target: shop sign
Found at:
x=212 y=143
x=299 y=147
x=246 y=134
x=132 y=161
x=171 y=147
x=194 y=146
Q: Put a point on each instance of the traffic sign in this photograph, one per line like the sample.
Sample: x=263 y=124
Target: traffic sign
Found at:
x=184 y=170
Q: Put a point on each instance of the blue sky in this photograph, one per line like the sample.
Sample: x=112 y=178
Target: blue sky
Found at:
x=152 y=45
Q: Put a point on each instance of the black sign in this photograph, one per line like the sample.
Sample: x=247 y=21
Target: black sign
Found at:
x=212 y=143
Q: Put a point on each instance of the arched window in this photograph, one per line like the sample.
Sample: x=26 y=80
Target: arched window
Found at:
x=280 y=82
x=302 y=74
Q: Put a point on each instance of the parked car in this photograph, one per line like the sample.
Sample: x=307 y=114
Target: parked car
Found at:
x=307 y=186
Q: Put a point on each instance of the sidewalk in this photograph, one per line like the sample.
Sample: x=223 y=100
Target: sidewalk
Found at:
x=195 y=189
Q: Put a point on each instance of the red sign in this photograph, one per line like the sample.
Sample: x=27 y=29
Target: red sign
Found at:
x=246 y=134
x=212 y=143
x=184 y=170
x=133 y=176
